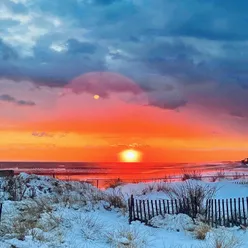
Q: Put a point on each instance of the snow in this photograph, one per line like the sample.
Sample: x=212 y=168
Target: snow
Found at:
x=74 y=215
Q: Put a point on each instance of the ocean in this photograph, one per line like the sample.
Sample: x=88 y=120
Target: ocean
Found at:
x=100 y=170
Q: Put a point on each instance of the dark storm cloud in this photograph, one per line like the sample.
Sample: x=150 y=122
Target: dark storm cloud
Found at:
x=6 y=52
x=11 y=99
x=75 y=46
x=193 y=42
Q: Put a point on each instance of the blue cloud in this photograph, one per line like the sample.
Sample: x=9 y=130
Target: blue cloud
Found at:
x=6 y=52
x=193 y=42
x=74 y=46
x=11 y=99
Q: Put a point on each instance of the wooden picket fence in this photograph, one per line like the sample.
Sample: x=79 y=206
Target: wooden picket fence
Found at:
x=241 y=182
x=227 y=212
x=145 y=210
x=1 y=209
x=218 y=212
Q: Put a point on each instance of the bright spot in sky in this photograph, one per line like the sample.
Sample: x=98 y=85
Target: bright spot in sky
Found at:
x=96 y=97
x=130 y=156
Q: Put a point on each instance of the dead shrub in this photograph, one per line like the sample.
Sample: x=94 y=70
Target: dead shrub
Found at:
x=163 y=187
x=128 y=238
x=37 y=234
x=201 y=231
x=48 y=221
x=149 y=188
x=21 y=227
x=34 y=214
x=91 y=227
x=225 y=241
x=194 y=175
x=36 y=207
x=15 y=187
x=218 y=176
x=194 y=195
x=237 y=176
x=116 y=199
x=114 y=183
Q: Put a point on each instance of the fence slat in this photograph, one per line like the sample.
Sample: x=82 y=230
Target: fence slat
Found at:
x=172 y=206
x=176 y=206
x=232 y=214
x=130 y=210
x=227 y=213
x=153 y=213
x=209 y=211
x=137 y=209
x=243 y=207
x=164 y=206
x=160 y=207
x=141 y=215
x=206 y=211
x=180 y=205
x=219 y=211
x=239 y=208
x=235 y=211
x=212 y=214
x=223 y=213
x=148 y=209
x=216 y=212
x=156 y=205
x=1 y=210
x=168 y=206
x=144 y=208
x=247 y=206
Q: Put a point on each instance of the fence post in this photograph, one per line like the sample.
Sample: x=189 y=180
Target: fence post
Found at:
x=1 y=207
x=164 y=206
x=227 y=213
x=137 y=209
x=141 y=215
x=153 y=213
x=172 y=206
x=130 y=210
x=206 y=210
x=156 y=205
x=212 y=212
x=239 y=207
x=243 y=207
x=144 y=207
x=168 y=206
x=235 y=211
x=160 y=207
x=223 y=213
x=247 y=206
x=148 y=209
x=231 y=211
x=176 y=206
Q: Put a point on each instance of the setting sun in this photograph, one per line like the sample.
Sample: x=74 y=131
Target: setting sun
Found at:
x=130 y=156
x=96 y=97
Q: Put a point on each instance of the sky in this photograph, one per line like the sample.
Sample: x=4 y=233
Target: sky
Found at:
x=83 y=80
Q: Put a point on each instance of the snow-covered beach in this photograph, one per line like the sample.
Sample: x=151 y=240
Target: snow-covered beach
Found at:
x=51 y=213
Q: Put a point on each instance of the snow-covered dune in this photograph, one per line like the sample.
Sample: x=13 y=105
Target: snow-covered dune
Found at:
x=51 y=213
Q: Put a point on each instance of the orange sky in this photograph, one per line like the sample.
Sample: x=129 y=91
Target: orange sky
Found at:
x=71 y=125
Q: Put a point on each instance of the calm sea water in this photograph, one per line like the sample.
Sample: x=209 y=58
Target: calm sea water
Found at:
x=84 y=170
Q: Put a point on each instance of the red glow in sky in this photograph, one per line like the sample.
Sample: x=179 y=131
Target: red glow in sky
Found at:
x=98 y=115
